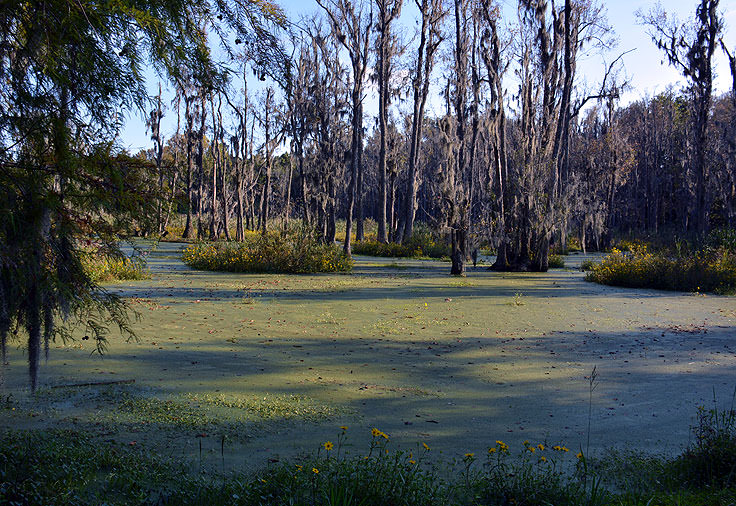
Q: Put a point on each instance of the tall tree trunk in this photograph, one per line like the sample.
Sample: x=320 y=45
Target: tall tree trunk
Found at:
x=189 y=118
x=287 y=204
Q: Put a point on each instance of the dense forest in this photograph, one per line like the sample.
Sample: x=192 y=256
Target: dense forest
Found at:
x=522 y=158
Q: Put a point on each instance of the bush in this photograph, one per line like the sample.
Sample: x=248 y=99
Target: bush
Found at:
x=588 y=265
x=711 y=457
x=103 y=269
x=707 y=270
x=379 y=249
x=556 y=262
x=423 y=243
x=275 y=253
x=722 y=238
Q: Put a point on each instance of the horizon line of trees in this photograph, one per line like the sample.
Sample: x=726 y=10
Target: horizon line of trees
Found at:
x=519 y=170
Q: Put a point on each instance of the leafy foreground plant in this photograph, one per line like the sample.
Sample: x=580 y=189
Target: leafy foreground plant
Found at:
x=274 y=253
x=65 y=467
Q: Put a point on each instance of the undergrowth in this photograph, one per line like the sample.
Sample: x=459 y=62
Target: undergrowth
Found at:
x=293 y=253
x=70 y=467
x=424 y=243
x=708 y=267
x=105 y=269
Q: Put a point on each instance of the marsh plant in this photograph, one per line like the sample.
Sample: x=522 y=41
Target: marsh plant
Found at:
x=106 y=269
x=71 y=467
x=293 y=253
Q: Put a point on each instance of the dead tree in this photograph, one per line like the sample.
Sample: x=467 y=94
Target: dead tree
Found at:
x=690 y=47
x=154 y=123
x=495 y=67
x=458 y=199
x=266 y=120
x=431 y=36
x=351 y=25
x=386 y=47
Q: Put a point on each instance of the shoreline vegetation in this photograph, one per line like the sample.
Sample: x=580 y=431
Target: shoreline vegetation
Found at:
x=273 y=253
x=108 y=269
x=57 y=466
x=681 y=266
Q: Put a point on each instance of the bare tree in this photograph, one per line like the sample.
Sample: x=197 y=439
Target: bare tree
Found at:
x=458 y=199
x=154 y=123
x=266 y=119
x=690 y=47
x=386 y=48
x=351 y=25
x=431 y=36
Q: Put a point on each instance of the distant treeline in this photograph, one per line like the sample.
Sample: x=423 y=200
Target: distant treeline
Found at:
x=519 y=170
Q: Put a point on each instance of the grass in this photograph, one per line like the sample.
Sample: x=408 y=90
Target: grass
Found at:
x=71 y=467
x=518 y=300
x=274 y=253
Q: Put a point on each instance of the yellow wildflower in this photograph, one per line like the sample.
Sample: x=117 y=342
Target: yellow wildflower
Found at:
x=469 y=455
x=375 y=432
x=344 y=427
x=412 y=462
x=425 y=446
x=543 y=459
x=579 y=455
x=491 y=450
x=315 y=470
x=540 y=446
x=328 y=445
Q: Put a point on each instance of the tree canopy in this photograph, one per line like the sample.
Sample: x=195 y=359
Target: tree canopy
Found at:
x=69 y=73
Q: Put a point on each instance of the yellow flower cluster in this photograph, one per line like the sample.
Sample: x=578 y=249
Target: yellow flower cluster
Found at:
x=378 y=433
x=503 y=447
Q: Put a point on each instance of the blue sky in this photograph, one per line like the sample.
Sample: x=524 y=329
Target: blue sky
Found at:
x=644 y=66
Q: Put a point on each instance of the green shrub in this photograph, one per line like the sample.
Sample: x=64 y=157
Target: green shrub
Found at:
x=294 y=253
x=423 y=243
x=379 y=249
x=722 y=238
x=103 y=269
x=711 y=457
x=704 y=271
x=556 y=262
x=588 y=265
